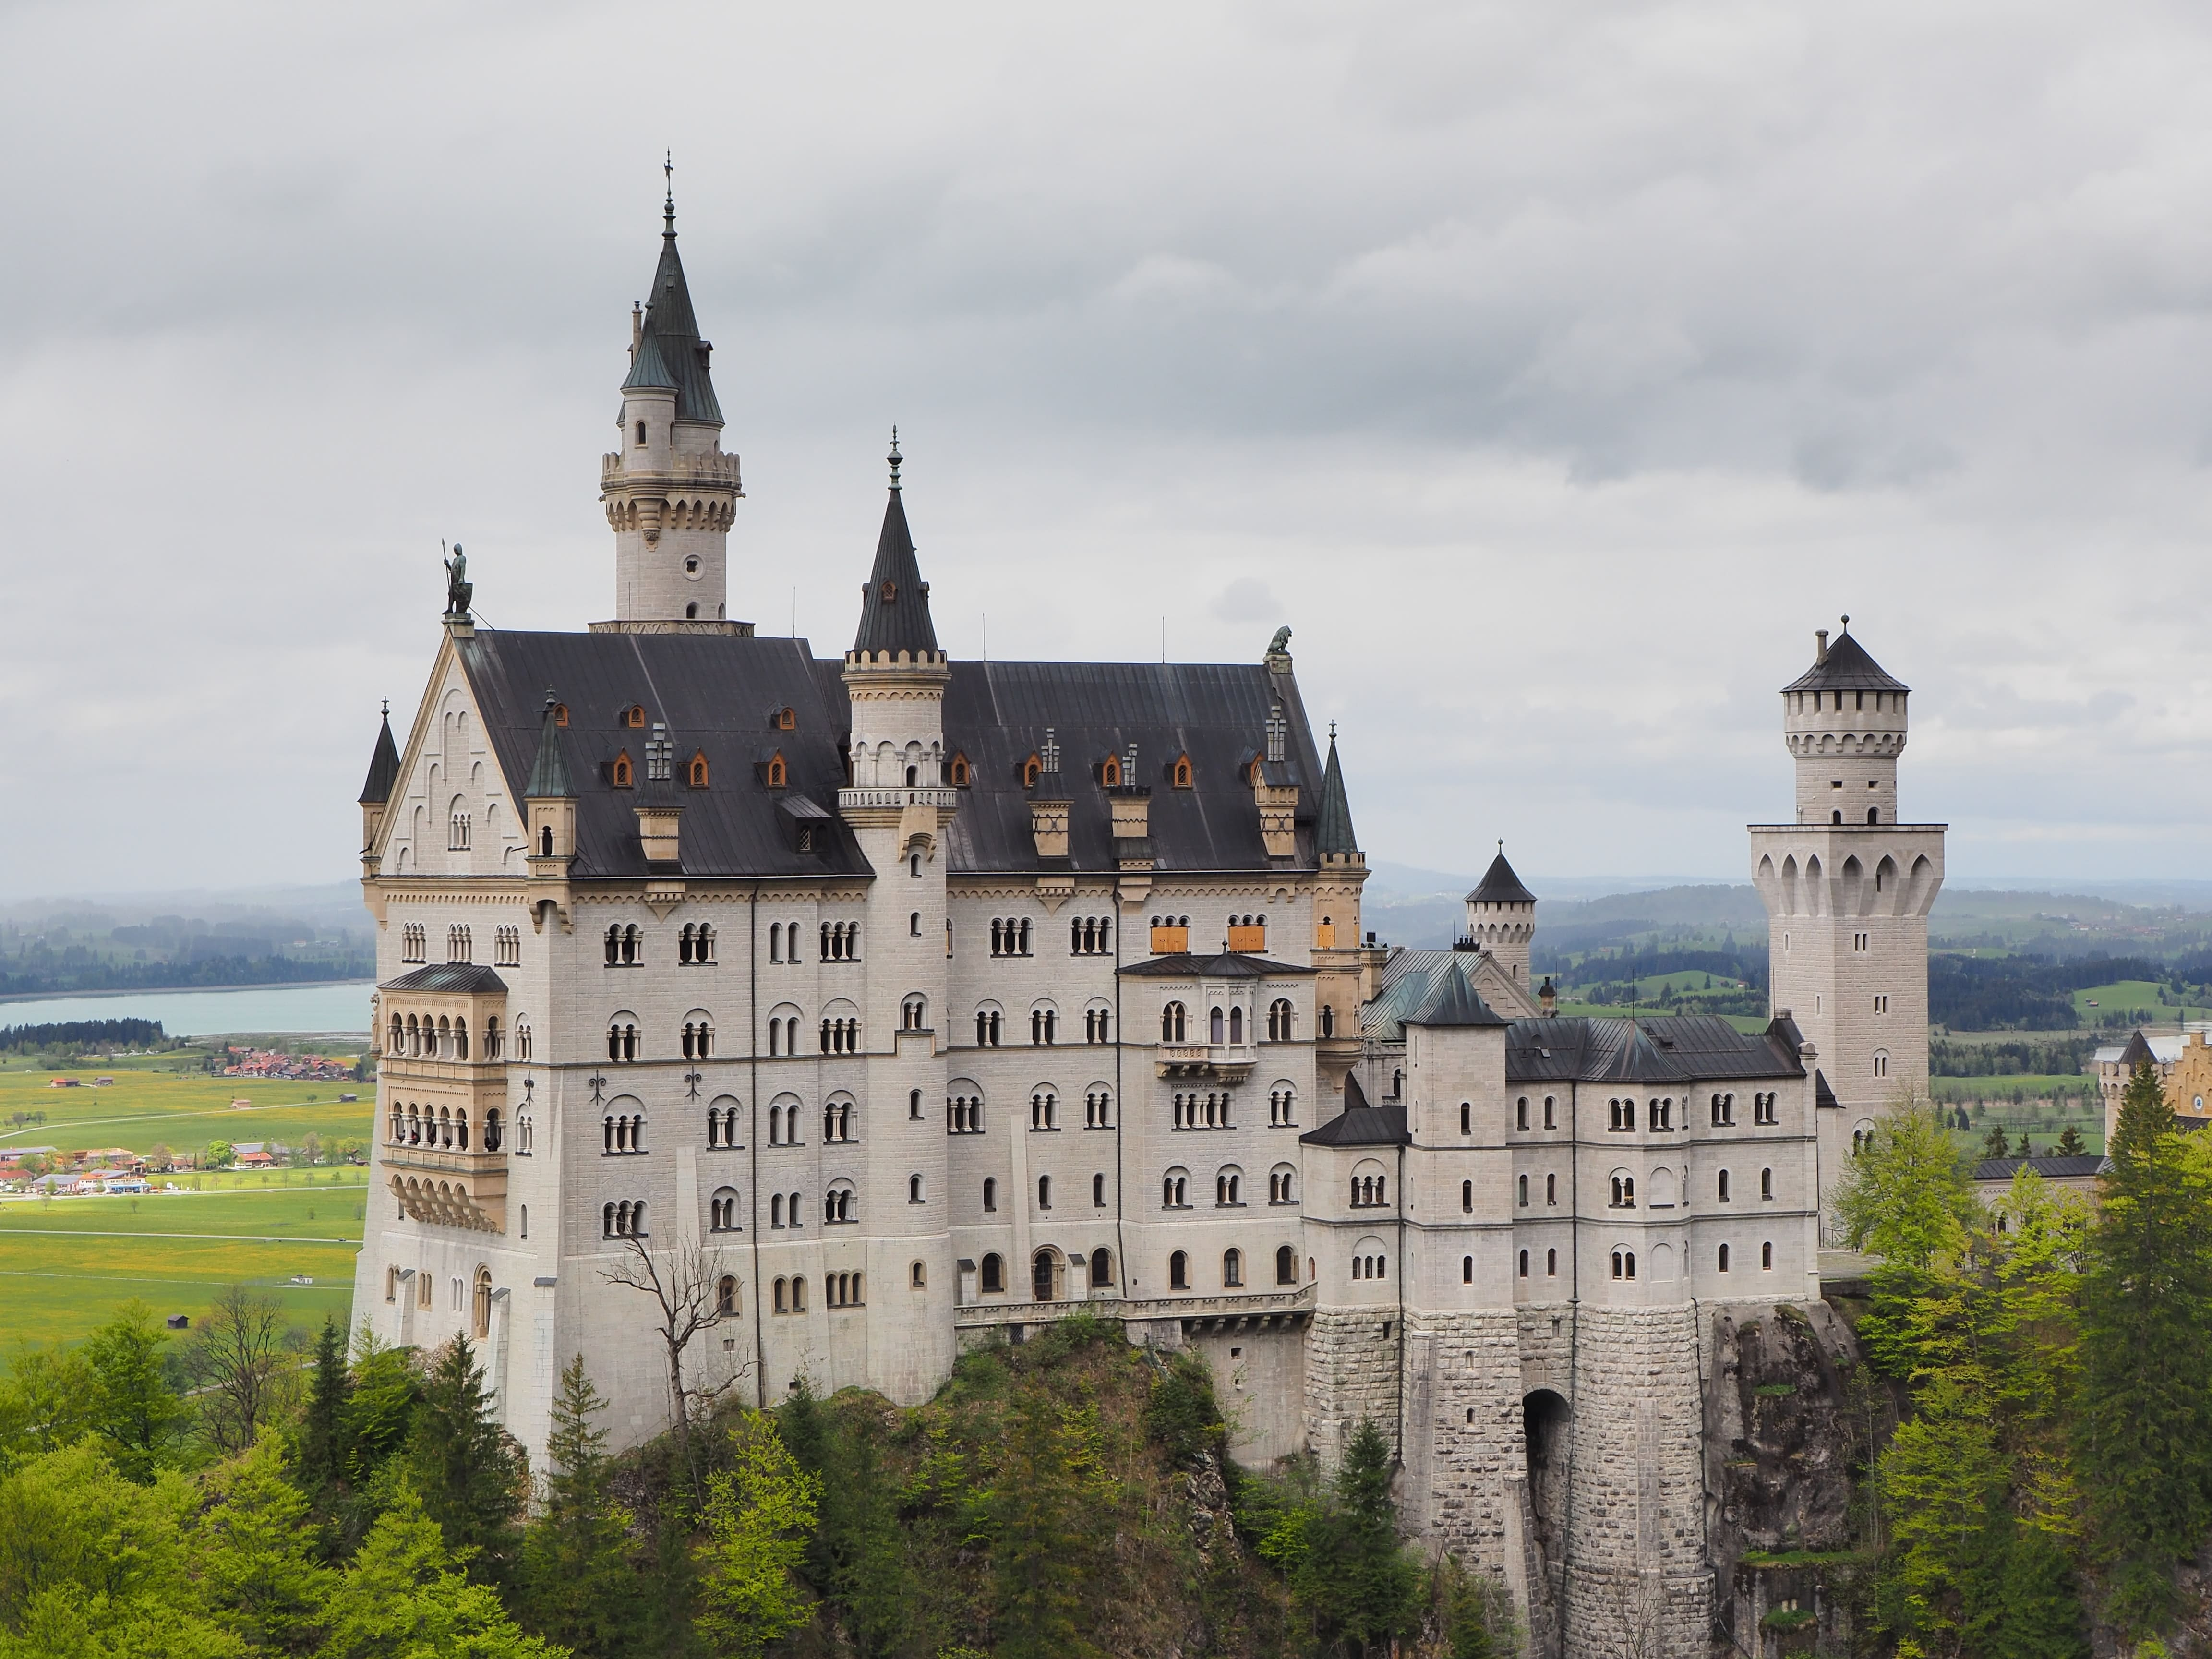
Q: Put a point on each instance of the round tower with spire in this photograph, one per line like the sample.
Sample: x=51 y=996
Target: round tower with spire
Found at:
x=1501 y=918
x=671 y=492
x=1843 y=721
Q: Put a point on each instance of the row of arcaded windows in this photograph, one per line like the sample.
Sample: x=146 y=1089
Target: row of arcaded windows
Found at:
x=417 y=1036
x=445 y=1128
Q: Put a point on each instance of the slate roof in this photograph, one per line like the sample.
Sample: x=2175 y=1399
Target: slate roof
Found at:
x=454 y=976
x=383 y=767
x=1360 y=1124
x=1229 y=964
x=671 y=352
x=2137 y=1053
x=1333 y=823
x=894 y=600
x=716 y=695
x=1411 y=980
x=1847 y=667
x=1454 y=1003
x=1659 y=1048
x=2050 y=1168
x=1500 y=885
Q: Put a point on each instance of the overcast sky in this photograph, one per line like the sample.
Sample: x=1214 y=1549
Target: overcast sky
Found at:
x=1553 y=370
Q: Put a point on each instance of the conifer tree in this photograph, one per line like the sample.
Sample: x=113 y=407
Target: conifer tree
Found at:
x=2144 y=1429
x=2069 y=1142
x=1994 y=1144
x=468 y=1471
x=254 y=1554
x=578 y=1587
x=758 y=1513
x=322 y=1429
x=857 y=1553
x=1046 y=1531
x=378 y=1411
x=1361 y=1582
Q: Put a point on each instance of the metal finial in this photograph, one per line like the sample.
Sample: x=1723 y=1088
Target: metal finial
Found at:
x=1847 y=623
x=668 y=206
x=1501 y=847
x=388 y=709
x=893 y=458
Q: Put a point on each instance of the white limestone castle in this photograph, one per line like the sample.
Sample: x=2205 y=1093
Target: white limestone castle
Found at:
x=905 y=1004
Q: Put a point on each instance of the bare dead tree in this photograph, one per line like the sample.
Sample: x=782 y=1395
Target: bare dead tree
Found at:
x=684 y=1281
x=240 y=1366
x=1630 y=1608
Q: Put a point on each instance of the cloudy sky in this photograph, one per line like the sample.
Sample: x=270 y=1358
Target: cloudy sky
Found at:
x=1553 y=370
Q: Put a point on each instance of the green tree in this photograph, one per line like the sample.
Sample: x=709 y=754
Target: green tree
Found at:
x=323 y=1426
x=1907 y=1196
x=2025 y=1148
x=857 y=1555
x=378 y=1410
x=467 y=1470
x=401 y=1597
x=2069 y=1142
x=759 y=1512
x=219 y=1155
x=2144 y=1429
x=45 y=1402
x=1047 y=1508
x=1994 y=1144
x=132 y=1407
x=254 y=1554
x=1356 y=1581
x=579 y=1585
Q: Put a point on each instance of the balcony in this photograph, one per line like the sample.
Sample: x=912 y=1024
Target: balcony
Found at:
x=1227 y=1062
x=448 y=1188
x=945 y=799
x=1251 y=1310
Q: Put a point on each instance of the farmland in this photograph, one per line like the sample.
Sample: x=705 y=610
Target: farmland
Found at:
x=66 y=1264
x=182 y=1110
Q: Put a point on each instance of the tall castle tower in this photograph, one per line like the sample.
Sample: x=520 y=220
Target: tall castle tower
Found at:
x=1847 y=888
x=898 y=804
x=671 y=493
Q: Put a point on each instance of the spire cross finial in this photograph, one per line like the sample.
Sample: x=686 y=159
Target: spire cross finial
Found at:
x=388 y=709
x=894 y=457
x=1332 y=730
x=668 y=206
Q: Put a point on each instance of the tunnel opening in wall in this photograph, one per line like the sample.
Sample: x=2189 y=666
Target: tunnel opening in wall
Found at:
x=1545 y=1424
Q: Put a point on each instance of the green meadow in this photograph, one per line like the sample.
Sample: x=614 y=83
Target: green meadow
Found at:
x=66 y=1264
x=181 y=1110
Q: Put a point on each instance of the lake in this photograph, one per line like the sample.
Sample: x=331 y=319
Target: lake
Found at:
x=341 y=1008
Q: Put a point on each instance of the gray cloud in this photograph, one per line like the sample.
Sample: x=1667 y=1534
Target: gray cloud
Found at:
x=1554 y=371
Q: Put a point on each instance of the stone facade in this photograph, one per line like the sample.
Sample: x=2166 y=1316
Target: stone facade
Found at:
x=897 y=1004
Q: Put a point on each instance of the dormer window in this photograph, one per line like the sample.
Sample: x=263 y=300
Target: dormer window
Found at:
x=785 y=720
x=1109 y=772
x=560 y=714
x=1031 y=769
x=621 y=772
x=777 y=773
x=634 y=716
x=1255 y=775
x=1182 y=772
x=698 y=769
x=960 y=774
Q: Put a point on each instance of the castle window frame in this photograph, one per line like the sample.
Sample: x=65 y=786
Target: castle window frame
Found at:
x=1232 y=1270
x=1762 y=1108
x=1181 y=776
x=1552 y=1189
x=620 y=774
x=722 y=1211
x=962 y=774
x=1175 y=1022
x=1623 y=1191
x=964 y=1113
x=1550 y=1108
x=697 y=770
x=1624 y=1265
x=1229 y=1188
x=1721 y=1260
x=1286 y=1264
x=1622 y=1115
x=1175 y=1189
x=622 y=1039
x=1282 y=1185
x=1723 y=1106
x=560 y=714
x=1178 y=1270
x=1766 y=1185
x=991 y=1278
x=1520 y=1115
x=840 y=1206
x=634 y=716
x=1766 y=1257
x=1098 y=1192
x=1881 y=1062
x=990 y=1195
x=1521 y=1185
x=1098 y=1108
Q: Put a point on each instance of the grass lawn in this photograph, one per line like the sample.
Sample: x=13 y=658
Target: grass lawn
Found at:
x=67 y=1263
x=2127 y=993
x=144 y=1108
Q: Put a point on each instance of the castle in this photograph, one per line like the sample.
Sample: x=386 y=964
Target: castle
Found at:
x=859 y=1010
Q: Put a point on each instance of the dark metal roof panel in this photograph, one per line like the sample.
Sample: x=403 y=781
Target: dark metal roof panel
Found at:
x=1229 y=965
x=1500 y=885
x=710 y=690
x=1656 y=1049
x=1847 y=667
x=2050 y=1168
x=454 y=976
x=997 y=715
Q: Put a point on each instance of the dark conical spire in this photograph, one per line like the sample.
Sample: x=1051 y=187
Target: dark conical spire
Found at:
x=1332 y=829
x=548 y=774
x=1454 y=1002
x=670 y=352
x=383 y=766
x=1500 y=885
x=894 y=604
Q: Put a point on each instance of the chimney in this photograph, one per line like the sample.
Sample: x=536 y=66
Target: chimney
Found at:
x=656 y=833
x=1048 y=823
x=1820 y=645
x=1132 y=807
x=636 y=328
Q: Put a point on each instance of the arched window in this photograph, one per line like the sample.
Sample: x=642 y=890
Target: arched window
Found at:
x=1175 y=1190
x=1173 y=1020
x=722 y=1211
x=1766 y=1183
x=1237 y=1025
x=1227 y=1189
x=838 y=1205
x=1044 y=1192
x=1766 y=1258
x=913 y=1189
x=491 y=1130
x=917 y=1275
x=1178 y=1271
x=1721 y=1186
x=1624 y=1264
x=1098 y=1191
x=1045 y=1281
x=1327 y=1021
x=799 y=1295
x=641 y=434
x=1881 y=1062
x=1278 y=1020
x=992 y=1275
x=1551 y=1263
x=1724 y=1258
x=1102 y=1268
x=1624 y=1192
x=990 y=1192
x=480 y=1323
x=725 y=1298
x=1232 y=1269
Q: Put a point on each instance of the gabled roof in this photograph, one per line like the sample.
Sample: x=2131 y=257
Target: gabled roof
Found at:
x=454 y=976
x=1229 y=964
x=670 y=353
x=2050 y=1168
x=1847 y=667
x=1454 y=1003
x=549 y=773
x=383 y=767
x=1332 y=823
x=1662 y=1048
x=1359 y=1124
x=894 y=604
x=1500 y=885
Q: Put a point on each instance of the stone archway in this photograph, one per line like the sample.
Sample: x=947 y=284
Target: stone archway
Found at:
x=1547 y=1426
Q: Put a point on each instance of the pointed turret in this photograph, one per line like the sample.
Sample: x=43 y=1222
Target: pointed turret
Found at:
x=549 y=773
x=383 y=777
x=895 y=602
x=1333 y=828
x=1501 y=917
x=671 y=492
